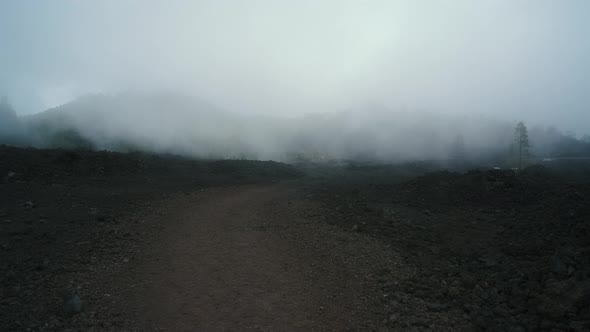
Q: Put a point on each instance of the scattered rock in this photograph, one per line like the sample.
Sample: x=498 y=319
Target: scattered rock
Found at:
x=9 y=176
x=393 y=318
x=72 y=302
x=557 y=265
x=29 y=205
x=436 y=306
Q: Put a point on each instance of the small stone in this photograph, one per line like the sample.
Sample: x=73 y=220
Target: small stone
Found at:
x=488 y=261
x=454 y=291
x=557 y=265
x=72 y=302
x=579 y=326
x=570 y=270
x=29 y=205
x=436 y=306
x=393 y=318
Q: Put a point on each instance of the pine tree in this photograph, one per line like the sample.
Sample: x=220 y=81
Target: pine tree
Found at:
x=458 y=151
x=521 y=143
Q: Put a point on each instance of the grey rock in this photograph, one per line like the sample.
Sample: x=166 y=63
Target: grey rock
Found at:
x=72 y=302
x=488 y=261
x=393 y=318
x=571 y=270
x=550 y=308
x=436 y=306
x=579 y=326
x=28 y=205
x=557 y=265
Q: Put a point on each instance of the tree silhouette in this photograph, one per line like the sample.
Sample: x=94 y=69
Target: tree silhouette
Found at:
x=8 y=118
x=522 y=143
x=6 y=110
x=458 y=151
x=10 y=126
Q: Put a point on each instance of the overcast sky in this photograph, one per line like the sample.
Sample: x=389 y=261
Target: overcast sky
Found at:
x=527 y=59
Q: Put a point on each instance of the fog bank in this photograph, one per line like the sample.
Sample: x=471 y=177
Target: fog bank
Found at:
x=509 y=59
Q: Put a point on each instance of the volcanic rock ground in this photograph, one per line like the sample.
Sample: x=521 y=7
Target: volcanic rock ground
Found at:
x=161 y=243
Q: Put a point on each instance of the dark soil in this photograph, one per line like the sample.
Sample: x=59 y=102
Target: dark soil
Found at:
x=255 y=257
x=71 y=220
x=160 y=242
x=499 y=250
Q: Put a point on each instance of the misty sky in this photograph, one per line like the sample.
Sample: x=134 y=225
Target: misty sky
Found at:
x=527 y=59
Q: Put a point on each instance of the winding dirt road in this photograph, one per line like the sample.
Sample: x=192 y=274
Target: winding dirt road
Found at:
x=255 y=258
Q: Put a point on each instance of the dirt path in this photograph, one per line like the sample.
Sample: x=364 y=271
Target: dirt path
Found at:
x=249 y=258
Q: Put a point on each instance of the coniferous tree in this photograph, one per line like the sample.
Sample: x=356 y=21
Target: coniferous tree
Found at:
x=522 y=144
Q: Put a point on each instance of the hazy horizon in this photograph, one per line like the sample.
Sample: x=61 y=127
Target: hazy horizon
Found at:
x=511 y=60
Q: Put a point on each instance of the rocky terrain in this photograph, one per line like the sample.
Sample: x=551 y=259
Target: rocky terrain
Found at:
x=497 y=250
x=110 y=241
x=70 y=221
